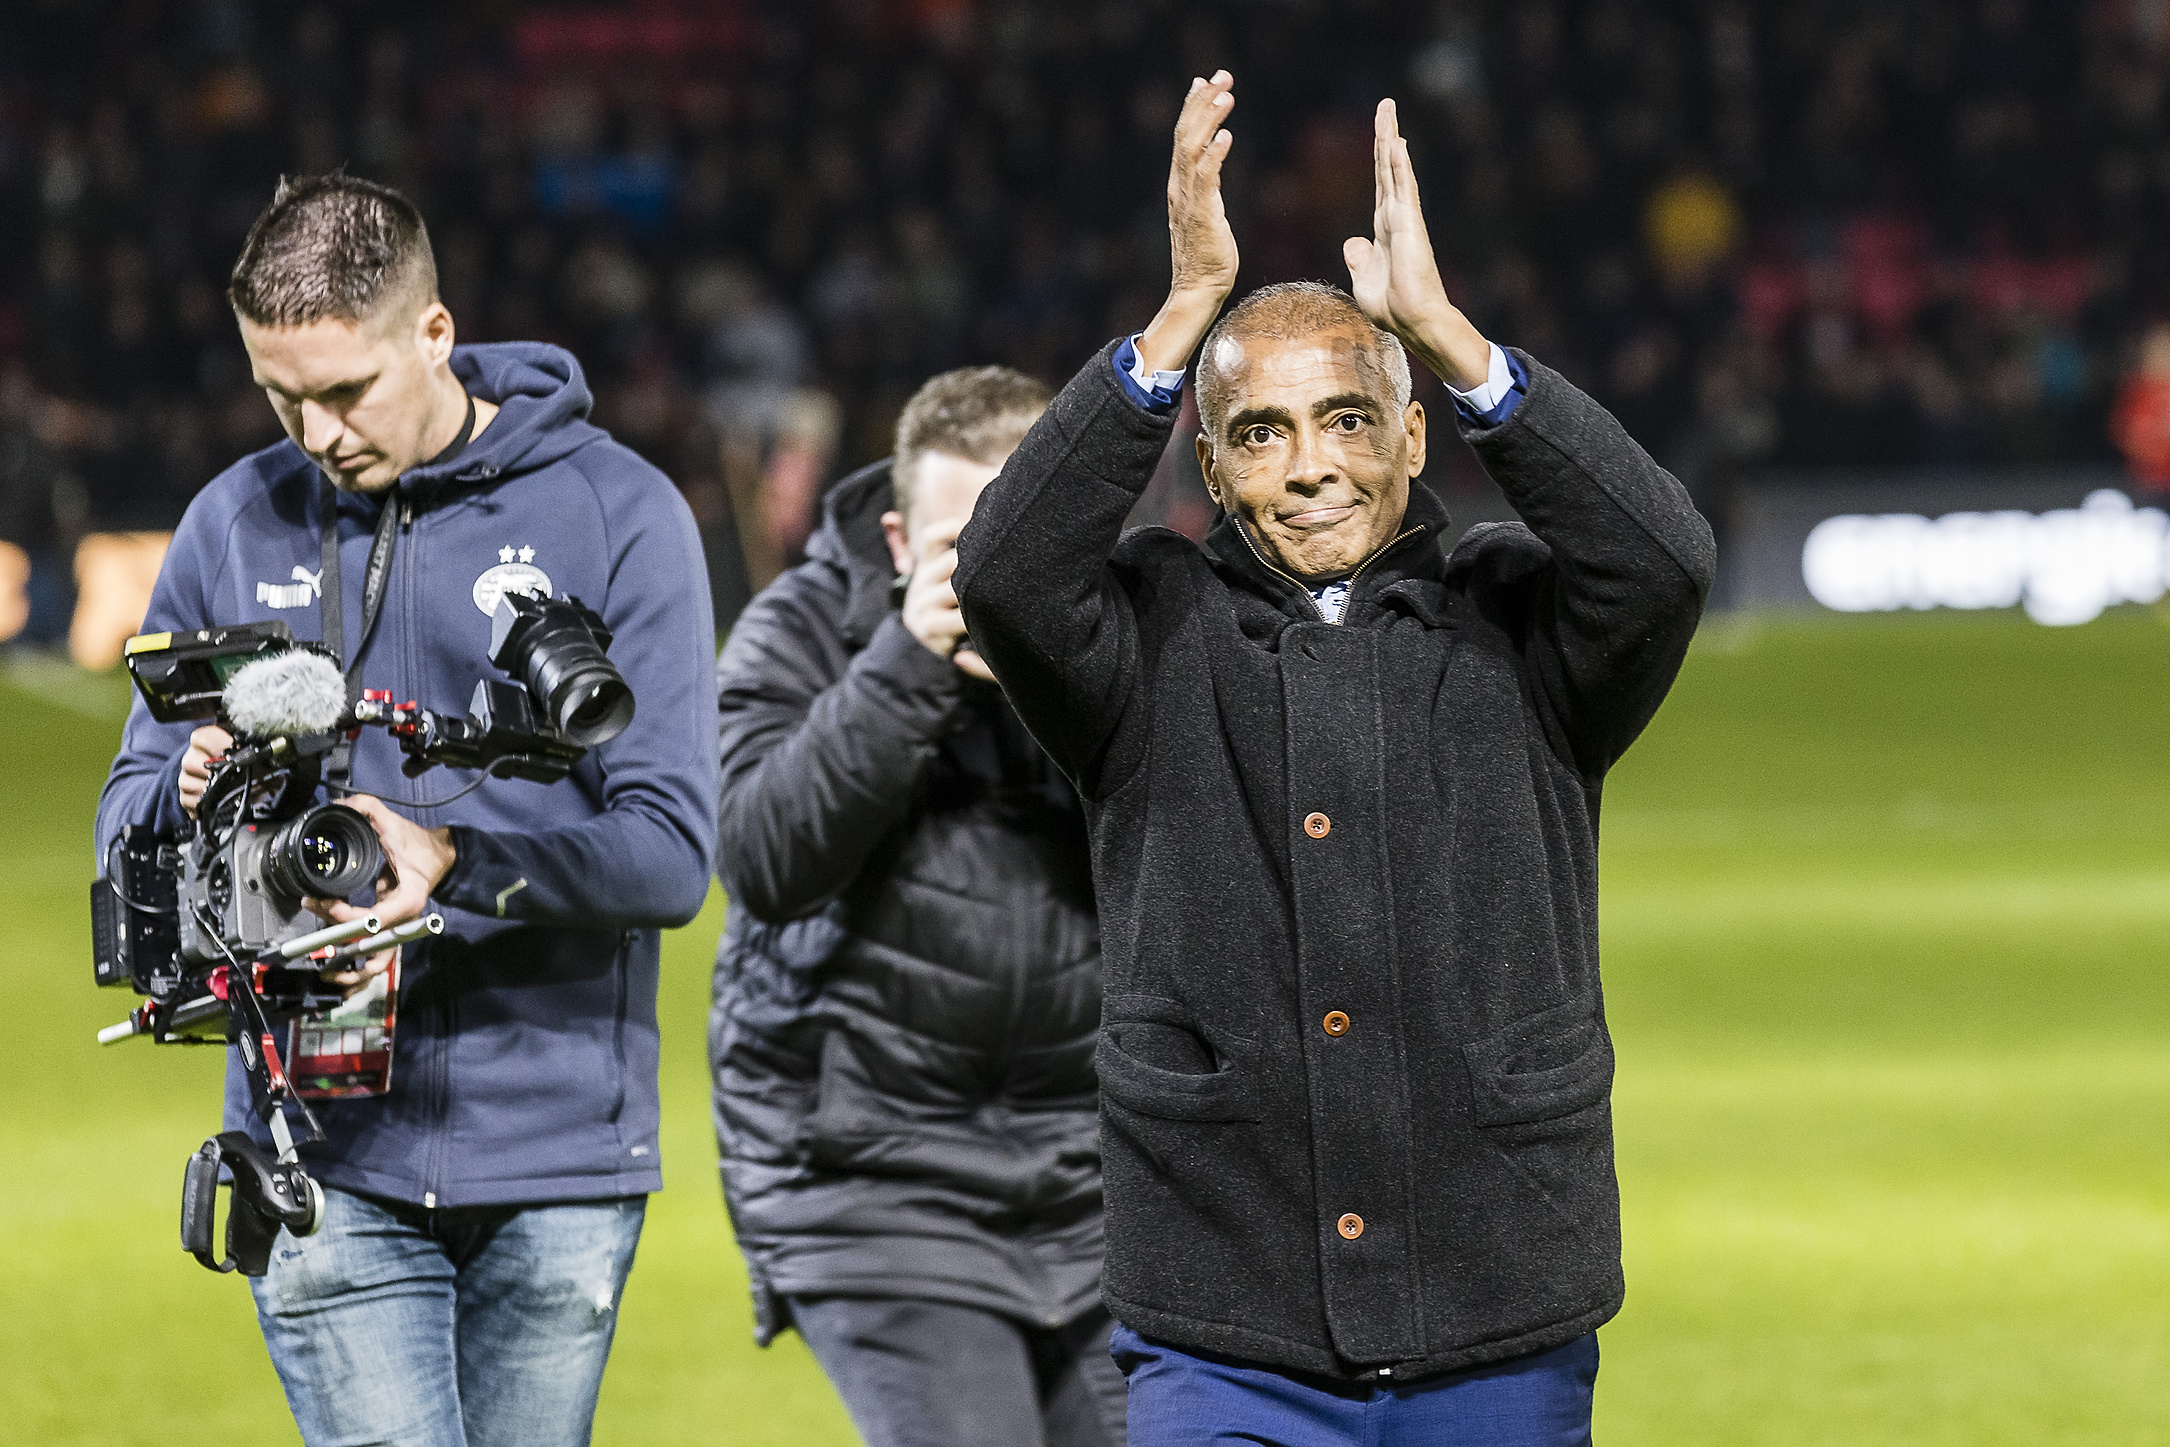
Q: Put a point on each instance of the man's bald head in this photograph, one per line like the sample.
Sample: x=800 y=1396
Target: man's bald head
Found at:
x=1292 y=311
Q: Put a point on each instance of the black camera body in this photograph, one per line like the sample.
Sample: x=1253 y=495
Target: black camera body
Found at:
x=211 y=928
x=132 y=911
x=573 y=699
x=233 y=885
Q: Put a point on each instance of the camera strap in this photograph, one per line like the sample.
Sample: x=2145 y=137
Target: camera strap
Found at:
x=331 y=597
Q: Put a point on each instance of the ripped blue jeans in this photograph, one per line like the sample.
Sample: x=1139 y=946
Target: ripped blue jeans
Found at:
x=478 y=1326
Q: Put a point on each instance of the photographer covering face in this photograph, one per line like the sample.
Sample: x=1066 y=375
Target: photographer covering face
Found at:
x=480 y=1217
x=907 y=990
x=1343 y=788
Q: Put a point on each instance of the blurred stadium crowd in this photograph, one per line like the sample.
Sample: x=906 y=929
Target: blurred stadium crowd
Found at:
x=1877 y=232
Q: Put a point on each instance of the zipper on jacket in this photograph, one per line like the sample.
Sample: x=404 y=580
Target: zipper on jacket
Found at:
x=433 y=1182
x=439 y=1113
x=1014 y=774
x=1244 y=529
x=1384 y=548
x=1013 y=1009
x=621 y=972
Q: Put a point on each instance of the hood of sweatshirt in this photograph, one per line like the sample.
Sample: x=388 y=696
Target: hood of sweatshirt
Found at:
x=850 y=539
x=543 y=404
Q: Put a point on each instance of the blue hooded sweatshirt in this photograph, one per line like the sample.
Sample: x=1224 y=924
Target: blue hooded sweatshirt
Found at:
x=524 y=1065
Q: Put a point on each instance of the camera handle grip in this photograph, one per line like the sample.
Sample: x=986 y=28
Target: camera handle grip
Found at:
x=267 y=1195
x=199 y=1205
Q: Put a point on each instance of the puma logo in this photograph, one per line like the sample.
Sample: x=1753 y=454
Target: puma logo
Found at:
x=300 y=593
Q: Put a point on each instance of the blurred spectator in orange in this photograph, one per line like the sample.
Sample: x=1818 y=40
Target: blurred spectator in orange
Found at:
x=14 y=590
x=2140 y=424
x=114 y=574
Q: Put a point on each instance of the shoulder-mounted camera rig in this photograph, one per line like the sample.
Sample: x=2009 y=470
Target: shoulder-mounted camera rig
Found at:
x=213 y=928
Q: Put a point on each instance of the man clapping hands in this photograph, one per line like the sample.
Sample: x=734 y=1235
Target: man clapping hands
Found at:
x=1343 y=790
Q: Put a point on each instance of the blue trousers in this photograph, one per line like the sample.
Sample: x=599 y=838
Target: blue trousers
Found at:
x=478 y=1326
x=1180 y=1400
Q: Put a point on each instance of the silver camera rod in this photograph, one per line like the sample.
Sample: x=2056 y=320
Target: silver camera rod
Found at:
x=362 y=949
x=331 y=934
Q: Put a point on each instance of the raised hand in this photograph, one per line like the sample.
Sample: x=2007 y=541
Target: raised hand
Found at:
x=1395 y=276
x=1202 y=250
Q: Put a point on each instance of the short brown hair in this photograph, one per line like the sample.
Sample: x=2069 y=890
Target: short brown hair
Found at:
x=977 y=413
x=332 y=247
x=1283 y=311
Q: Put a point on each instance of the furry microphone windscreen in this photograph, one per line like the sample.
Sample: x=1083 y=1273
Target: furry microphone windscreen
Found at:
x=297 y=692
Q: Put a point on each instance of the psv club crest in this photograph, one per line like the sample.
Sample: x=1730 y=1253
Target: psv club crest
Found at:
x=515 y=573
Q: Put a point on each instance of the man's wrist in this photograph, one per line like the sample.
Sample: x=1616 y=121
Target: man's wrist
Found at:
x=1178 y=327
x=1157 y=392
x=909 y=684
x=445 y=854
x=909 y=660
x=449 y=889
x=1458 y=354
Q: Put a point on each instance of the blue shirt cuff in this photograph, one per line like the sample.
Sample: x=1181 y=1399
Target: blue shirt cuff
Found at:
x=1504 y=408
x=1160 y=392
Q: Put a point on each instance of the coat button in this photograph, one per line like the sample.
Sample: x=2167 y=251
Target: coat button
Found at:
x=1335 y=1023
x=1350 y=1226
x=1317 y=825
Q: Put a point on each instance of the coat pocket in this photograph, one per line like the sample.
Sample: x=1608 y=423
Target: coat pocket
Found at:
x=1543 y=1066
x=1156 y=1058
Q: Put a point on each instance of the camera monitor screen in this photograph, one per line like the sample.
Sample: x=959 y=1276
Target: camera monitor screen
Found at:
x=183 y=675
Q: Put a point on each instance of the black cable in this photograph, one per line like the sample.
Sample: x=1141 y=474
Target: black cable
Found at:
x=462 y=792
x=208 y=923
x=215 y=839
x=240 y=980
x=457 y=794
x=135 y=904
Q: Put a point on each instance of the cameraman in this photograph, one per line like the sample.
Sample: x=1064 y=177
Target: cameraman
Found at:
x=480 y=1218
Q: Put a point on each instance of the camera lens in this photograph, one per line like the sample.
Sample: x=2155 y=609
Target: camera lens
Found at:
x=326 y=853
x=584 y=695
x=591 y=709
x=554 y=650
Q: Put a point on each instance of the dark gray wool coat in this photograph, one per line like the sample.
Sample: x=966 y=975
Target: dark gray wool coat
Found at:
x=909 y=983
x=1354 y=1068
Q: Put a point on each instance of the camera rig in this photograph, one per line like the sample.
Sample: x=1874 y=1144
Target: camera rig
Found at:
x=212 y=928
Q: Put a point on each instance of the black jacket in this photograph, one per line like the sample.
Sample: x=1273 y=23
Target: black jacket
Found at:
x=909 y=983
x=1392 y=821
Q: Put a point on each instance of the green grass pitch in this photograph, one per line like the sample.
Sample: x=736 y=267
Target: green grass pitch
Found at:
x=1886 y=911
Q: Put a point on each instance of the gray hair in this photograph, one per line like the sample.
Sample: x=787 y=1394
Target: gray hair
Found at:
x=1286 y=310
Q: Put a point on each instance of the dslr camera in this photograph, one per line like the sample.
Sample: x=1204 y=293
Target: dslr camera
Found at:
x=212 y=927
